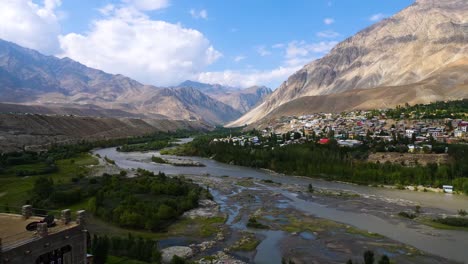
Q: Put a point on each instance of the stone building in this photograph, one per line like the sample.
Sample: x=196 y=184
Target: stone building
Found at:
x=64 y=242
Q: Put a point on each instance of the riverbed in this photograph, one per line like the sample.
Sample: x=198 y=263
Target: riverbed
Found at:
x=285 y=201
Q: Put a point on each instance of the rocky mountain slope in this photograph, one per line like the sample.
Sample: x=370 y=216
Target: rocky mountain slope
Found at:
x=36 y=132
x=240 y=99
x=28 y=77
x=407 y=57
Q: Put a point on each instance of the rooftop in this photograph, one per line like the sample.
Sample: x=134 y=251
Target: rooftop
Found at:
x=13 y=229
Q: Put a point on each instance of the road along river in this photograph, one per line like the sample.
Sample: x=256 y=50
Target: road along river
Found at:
x=370 y=212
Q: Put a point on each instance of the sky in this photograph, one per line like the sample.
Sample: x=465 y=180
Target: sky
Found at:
x=238 y=43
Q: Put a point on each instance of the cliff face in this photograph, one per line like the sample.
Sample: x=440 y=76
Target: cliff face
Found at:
x=408 y=48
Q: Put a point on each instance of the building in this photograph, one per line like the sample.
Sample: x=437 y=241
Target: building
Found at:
x=458 y=133
x=409 y=133
x=64 y=242
x=448 y=188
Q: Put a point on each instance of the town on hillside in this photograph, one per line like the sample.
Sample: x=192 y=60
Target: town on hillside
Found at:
x=354 y=128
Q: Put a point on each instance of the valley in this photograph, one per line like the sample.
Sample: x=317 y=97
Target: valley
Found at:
x=146 y=131
x=283 y=203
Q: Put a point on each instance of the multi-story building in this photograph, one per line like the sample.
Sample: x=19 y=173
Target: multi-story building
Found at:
x=62 y=241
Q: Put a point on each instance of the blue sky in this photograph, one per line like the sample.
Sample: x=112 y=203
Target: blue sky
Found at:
x=163 y=42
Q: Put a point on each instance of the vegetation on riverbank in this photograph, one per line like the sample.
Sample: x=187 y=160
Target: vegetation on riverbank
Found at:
x=253 y=223
x=177 y=164
x=154 y=142
x=332 y=162
x=158 y=160
x=248 y=242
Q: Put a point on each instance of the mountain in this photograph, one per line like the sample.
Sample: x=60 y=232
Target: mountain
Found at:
x=240 y=99
x=36 y=132
x=186 y=103
x=28 y=77
x=208 y=88
x=419 y=55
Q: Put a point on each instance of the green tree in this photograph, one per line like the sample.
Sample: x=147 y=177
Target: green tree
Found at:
x=178 y=260
x=368 y=257
x=384 y=260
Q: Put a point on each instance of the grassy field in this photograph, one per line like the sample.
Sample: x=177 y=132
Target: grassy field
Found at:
x=14 y=189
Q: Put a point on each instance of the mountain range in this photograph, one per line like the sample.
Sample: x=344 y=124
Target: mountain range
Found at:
x=419 y=55
x=66 y=86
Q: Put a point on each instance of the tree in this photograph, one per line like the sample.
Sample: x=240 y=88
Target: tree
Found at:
x=43 y=187
x=100 y=249
x=177 y=260
x=384 y=260
x=369 y=257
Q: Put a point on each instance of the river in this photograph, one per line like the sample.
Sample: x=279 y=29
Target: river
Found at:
x=450 y=244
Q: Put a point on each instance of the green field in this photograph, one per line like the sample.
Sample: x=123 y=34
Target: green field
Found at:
x=14 y=190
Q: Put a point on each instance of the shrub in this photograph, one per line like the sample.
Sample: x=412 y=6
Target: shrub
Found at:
x=253 y=223
x=407 y=215
x=453 y=221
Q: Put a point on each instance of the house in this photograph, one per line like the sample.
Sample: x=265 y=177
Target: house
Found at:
x=324 y=141
x=349 y=143
x=447 y=188
x=409 y=133
x=463 y=126
x=458 y=133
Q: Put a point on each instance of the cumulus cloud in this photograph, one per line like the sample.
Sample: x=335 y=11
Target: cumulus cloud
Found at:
x=203 y=14
x=328 y=34
x=32 y=25
x=147 y=5
x=130 y=43
x=328 y=21
x=377 y=17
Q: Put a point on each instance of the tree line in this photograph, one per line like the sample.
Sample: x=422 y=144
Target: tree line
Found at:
x=149 y=201
x=334 y=163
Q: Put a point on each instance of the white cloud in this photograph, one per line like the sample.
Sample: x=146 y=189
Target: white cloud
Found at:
x=262 y=51
x=278 y=46
x=328 y=21
x=199 y=14
x=328 y=34
x=297 y=54
x=301 y=52
x=248 y=78
x=35 y=26
x=147 y=5
x=377 y=17
x=239 y=58
x=130 y=43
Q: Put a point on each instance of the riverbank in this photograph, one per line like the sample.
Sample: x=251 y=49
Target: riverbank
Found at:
x=284 y=202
